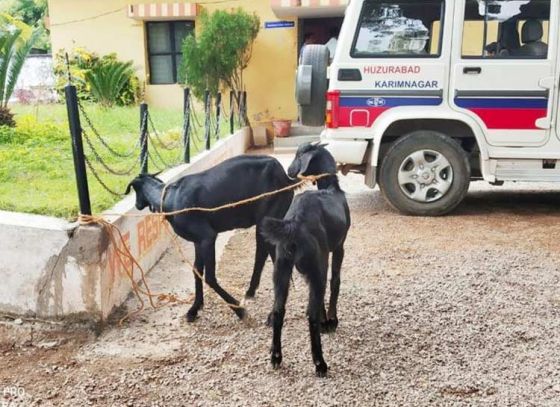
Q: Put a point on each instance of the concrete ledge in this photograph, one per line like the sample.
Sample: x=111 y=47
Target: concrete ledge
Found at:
x=290 y=144
x=51 y=268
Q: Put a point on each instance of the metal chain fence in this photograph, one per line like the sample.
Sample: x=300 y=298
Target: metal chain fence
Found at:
x=152 y=148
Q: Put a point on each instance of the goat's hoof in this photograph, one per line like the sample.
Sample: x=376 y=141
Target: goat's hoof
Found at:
x=321 y=370
x=269 y=320
x=276 y=360
x=250 y=294
x=191 y=316
x=241 y=313
x=329 y=326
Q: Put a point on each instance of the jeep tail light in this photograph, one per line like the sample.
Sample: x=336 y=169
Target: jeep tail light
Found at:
x=333 y=109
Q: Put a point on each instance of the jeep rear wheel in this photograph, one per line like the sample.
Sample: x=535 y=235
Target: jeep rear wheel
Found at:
x=311 y=86
x=425 y=173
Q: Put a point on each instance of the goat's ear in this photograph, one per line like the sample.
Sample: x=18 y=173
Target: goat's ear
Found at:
x=324 y=145
x=128 y=188
x=305 y=160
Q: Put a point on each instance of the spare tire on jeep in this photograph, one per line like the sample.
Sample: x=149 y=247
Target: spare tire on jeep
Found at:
x=311 y=85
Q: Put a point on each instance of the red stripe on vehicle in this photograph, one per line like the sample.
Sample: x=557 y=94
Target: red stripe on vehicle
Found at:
x=359 y=117
x=510 y=119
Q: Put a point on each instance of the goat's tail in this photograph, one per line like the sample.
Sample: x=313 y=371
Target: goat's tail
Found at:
x=278 y=231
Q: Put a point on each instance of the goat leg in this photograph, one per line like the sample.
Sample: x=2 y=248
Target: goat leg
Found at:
x=260 y=258
x=332 y=319
x=277 y=317
x=208 y=248
x=282 y=272
x=199 y=287
x=316 y=298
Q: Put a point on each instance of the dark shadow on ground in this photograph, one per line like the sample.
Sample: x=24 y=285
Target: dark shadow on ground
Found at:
x=519 y=203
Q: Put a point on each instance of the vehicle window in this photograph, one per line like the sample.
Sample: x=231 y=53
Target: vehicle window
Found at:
x=405 y=28
x=506 y=29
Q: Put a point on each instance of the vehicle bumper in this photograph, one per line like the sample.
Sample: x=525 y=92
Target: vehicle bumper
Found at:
x=350 y=154
x=345 y=150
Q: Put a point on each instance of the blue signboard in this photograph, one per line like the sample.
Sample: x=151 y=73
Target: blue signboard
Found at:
x=279 y=24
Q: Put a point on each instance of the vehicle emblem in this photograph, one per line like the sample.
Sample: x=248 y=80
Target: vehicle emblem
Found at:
x=376 y=102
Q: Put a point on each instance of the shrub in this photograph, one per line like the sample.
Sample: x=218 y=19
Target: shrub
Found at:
x=107 y=81
x=29 y=131
x=6 y=117
x=80 y=61
x=32 y=131
x=213 y=60
x=7 y=134
x=84 y=66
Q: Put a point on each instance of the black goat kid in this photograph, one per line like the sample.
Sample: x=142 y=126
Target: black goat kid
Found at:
x=231 y=181
x=316 y=224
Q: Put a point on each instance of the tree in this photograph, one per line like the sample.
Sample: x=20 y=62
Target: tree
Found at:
x=28 y=11
x=221 y=52
x=16 y=41
x=31 y=12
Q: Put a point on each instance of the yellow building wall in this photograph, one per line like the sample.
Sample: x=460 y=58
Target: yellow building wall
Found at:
x=269 y=79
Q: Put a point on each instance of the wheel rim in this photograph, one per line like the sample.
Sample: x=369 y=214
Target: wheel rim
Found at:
x=425 y=176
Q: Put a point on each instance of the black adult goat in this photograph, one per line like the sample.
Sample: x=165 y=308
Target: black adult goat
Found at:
x=231 y=181
x=316 y=224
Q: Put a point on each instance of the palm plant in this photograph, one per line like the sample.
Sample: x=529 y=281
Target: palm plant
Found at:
x=15 y=45
x=108 y=79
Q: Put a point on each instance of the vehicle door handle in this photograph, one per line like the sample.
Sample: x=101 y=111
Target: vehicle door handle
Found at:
x=472 y=70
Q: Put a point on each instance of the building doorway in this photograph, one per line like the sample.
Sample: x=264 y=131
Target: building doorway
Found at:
x=319 y=28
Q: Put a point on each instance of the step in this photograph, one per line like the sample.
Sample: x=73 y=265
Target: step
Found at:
x=526 y=170
x=299 y=130
x=292 y=143
x=284 y=150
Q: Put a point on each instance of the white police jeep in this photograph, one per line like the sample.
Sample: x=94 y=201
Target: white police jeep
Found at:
x=426 y=95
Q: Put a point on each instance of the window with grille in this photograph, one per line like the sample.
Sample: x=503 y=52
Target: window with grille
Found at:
x=165 y=40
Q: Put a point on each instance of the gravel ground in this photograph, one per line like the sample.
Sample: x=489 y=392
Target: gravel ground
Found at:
x=455 y=311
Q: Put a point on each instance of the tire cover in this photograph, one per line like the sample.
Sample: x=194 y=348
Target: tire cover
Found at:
x=313 y=113
x=303 y=84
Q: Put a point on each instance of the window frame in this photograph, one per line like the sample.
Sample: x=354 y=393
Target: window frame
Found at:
x=400 y=56
x=173 y=53
x=506 y=57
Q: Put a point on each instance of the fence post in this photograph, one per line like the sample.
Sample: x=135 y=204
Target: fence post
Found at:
x=207 y=113
x=231 y=112
x=218 y=113
x=77 y=148
x=187 y=125
x=144 y=137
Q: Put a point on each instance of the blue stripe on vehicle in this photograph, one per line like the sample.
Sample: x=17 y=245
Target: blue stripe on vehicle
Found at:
x=388 y=102
x=501 y=103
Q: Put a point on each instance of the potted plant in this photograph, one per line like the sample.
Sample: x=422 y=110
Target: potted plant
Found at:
x=282 y=127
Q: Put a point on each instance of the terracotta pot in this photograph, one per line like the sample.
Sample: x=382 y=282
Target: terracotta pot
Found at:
x=282 y=128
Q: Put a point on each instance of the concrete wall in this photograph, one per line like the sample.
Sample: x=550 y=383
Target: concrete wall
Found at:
x=51 y=269
x=102 y=26
x=36 y=82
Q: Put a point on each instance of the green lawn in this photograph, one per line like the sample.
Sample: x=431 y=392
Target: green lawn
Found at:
x=36 y=167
